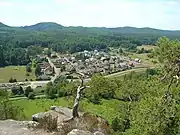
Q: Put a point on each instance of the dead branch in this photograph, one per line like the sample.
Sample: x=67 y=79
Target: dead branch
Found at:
x=78 y=96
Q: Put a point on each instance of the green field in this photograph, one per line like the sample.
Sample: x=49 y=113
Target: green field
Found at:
x=146 y=61
x=108 y=109
x=123 y=73
x=16 y=72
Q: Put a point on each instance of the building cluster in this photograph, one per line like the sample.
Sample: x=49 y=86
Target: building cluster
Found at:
x=90 y=62
x=45 y=68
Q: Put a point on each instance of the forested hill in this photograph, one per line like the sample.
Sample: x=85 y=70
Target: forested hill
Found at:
x=51 y=26
x=72 y=39
x=46 y=26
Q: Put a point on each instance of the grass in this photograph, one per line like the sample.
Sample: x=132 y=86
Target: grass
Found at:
x=16 y=72
x=39 y=105
x=121 y=74
x=146 y=61
x=108 y=109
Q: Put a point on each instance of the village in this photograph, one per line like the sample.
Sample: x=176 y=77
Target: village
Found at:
x=91 y=62
x=86 y=62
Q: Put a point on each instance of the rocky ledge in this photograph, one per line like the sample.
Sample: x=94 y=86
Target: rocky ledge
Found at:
x=57 y=121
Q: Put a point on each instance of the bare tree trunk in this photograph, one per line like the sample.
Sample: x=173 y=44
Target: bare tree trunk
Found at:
x=76 y=102
x=78 y=96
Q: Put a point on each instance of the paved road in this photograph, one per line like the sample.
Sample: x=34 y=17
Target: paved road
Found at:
x=35 y=84
x=57 y=70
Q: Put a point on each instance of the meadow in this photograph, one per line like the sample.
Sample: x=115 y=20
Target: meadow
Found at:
x=16 y=72
x=108 y=109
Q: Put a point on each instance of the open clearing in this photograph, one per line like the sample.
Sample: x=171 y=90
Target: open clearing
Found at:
x=146 y=61
x=121 y=74
x=16 y=72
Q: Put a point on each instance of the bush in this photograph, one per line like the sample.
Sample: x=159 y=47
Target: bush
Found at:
x=11 y=80
x=42 y=91
x=31 y=95
x=17 y=90
x=15 y=80
x=116 y=124
x=14 y=90
x=95 y=99
x=49 y=123
x=28 y=68
x=27 y=91
x=27 y=74
x=69 y=77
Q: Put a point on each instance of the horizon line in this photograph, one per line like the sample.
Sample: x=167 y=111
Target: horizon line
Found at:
x=93 y=26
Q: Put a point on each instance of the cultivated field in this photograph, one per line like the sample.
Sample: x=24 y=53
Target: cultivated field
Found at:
x=16 y=72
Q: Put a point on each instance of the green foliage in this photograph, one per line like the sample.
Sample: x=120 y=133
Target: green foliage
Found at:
x=7 y=109
x=2 y=59
x=37 y=70
x=100 y=87
x=116 y=124
x=17 y=90
x=168 y=54
x=31 y=95
x=27 y=91
x=11 y=80
x=28 y=68
x=49 y=52
x=34 y=50
x=50 y=91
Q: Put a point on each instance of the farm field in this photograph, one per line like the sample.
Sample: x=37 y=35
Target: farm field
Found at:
x=16 y=72
x=107 y=109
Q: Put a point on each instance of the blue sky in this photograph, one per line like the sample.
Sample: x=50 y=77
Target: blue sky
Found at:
x=162 y=14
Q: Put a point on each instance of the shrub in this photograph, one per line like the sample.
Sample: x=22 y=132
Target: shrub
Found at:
x=27 y=74
x=11 y=80
x=27 y=91
x=49 y=123
x=31 y=95
x=28 y=68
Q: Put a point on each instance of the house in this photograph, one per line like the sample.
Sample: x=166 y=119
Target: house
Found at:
x=137 y=60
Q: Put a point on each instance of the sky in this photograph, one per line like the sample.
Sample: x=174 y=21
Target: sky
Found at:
x=161 y=14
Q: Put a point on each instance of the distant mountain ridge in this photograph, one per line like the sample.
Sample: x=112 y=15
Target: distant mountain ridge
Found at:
x=52 y=26
x=3 y=25
x=44 y=26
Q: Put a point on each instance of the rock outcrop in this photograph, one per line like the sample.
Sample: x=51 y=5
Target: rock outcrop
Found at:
x=12 y=127
x=62 y=118
x=57 y=121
